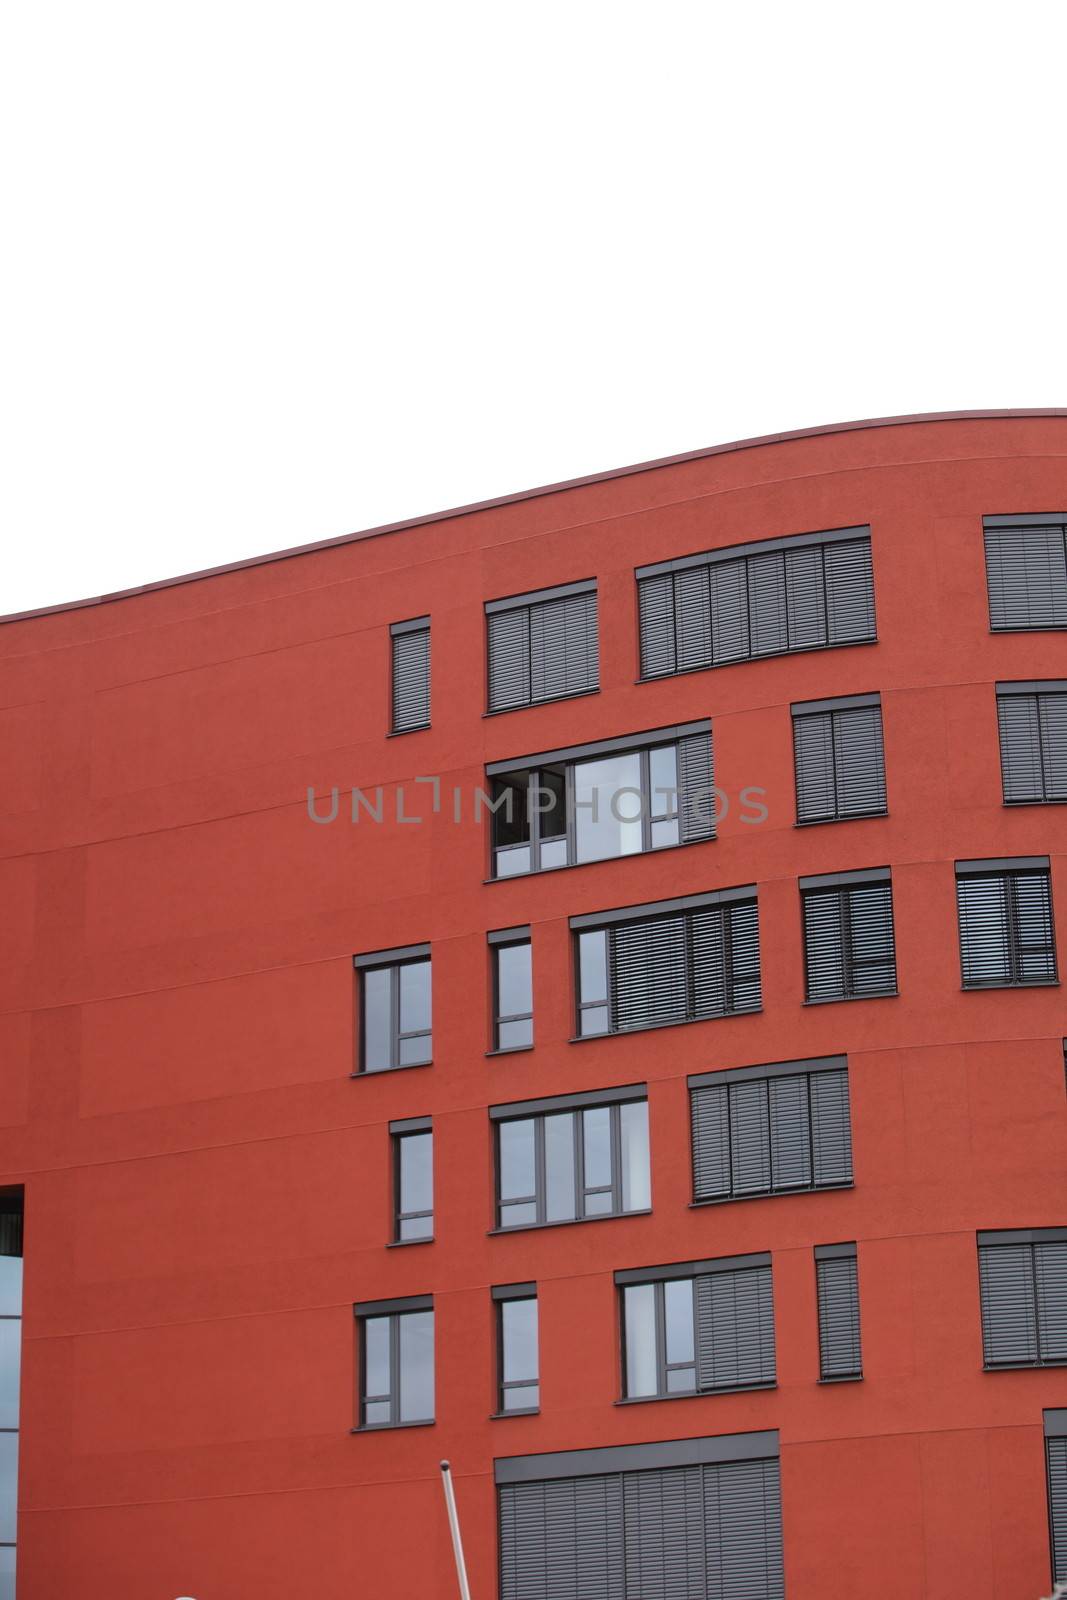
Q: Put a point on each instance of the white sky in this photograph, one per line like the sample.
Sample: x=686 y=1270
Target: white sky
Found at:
x=277 y=272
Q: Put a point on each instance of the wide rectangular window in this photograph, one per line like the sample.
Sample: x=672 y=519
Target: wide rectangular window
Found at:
x=395 y=1009
x=412 y=1179
x=849 y=948
x=776 y=1129
x=543 y=646
x=674 y=961
x=411 y=674
x=518 y=1387
x=837 y=1289
x=396 y=1361
x=573 y=1157
x=839 y=759
x=1022 y=1276
x=685 y=1519
x=1026 y=570
x=1005 y=917
x=596 y=802
x=1056 y=1467
x=511 y=955
x=697 y=1327
x=1032 y=719
x=765 y=599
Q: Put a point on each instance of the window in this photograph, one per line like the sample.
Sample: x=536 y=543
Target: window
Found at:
x=516 y=1342
x=411 y=674
x=678 y=961
x=1026 y=570
x=1033 y=741
x=1056 y=1467
x=771 y=1130
x=543 y=646
x=849 y=950
x=10 y=1366
x=697 y=1327
x=512 y=989
x=395 y=1362
x=699 y=1518
x=395 y=1009
x=412 y=1180
x=1023 y=1281
x=839 y=760
x=573 y=1157
x=595 y=802
x=753 y=600
x=1005 y=914
x=837 y=1289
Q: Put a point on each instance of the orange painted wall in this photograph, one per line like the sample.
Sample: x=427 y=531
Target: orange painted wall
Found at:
x=207 y=1188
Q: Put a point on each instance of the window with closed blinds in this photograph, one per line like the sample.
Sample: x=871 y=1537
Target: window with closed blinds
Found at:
x=849 y=947
x=697 y=1327
x=837 y=1290
x=1056 y=1467
x=839 y=759
x=680 y=961
x=1005 y=917
x=543 y=646
x=781 y=595
x=683 y=1528
x=1026 y=571
x=1022 y=1278
x=770 y=1130
x=411 y=675
x=1032 y=719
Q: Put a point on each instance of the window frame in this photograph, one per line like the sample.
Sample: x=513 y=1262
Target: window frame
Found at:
x=504 y=1295
x=1038 y=691
x=501 y=939
x=824 y=1253
x=398 y=631
x=1021 y=523
x=576 y=1105
x=392 y=1311
x=1030 y=1239
x=843 y=884
x=1004 y=870
x=799 y=711
x=391 y=961
x=526 y=603
x=409 y=1128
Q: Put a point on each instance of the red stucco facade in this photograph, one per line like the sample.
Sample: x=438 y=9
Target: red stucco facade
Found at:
x=207 y=1188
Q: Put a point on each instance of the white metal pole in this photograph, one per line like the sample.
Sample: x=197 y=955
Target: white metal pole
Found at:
x=453 y=1523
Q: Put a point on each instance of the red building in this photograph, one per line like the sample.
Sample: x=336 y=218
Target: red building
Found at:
x=773 y=1210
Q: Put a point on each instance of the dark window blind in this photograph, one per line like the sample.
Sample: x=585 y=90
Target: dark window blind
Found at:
x=543 y=651
x=1006 y=933
x=411 y=680
x=849 y=947
x=840 y=763
x=1026 y=571
x=837 y=1286
x=771 y=1135
x=1033 y=745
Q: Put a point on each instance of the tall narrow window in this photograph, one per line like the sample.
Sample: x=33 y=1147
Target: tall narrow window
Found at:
x=395 y=1009
x=396 y=1361
x=412 y=1179
x=411 y=674
x=1026 y=569
x=1022 y=1277
x=518 y=1386
x=1005 y=916
x=803 y=593
x=767 y=1130
x=1056 y=1467
x=10 y=1365
x=572 y=1157
x=676 y=961
x=1032 y=719
x=840 y=763
x=697 y=1327
x=512 y=989
x=849 y=946
x=543 y=646
x=837 y=1286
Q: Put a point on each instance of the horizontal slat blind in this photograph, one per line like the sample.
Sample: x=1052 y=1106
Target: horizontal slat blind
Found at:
x=1026 y=569
x=1020 y=747
x=710 y=1110
x=870 y=931
x=840 y=764
x=831 y=1126
x=824 y=945
x=1056 y=1450
x=790 y=1131
x=711 y=1532
x=1050 y=1277
x=813 y=756
x=763 y=603
x=1009 y=1311
x=735 y=1328
x=696 y=788
x=509 y=659
x=839 y=1317
x=411 y=680
x=564 y=656
x=750 y=1152
x=648 y=965
x=1006 y=934
x=849 y=950
x=771 y=1135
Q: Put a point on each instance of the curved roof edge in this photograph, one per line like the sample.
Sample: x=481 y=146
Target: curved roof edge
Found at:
x=532 y=494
